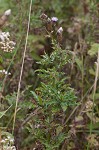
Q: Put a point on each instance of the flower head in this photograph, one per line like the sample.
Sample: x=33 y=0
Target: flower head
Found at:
x=5 y=72
x=4 y=36
x=54 y=19
x=5 y=43
x=7 y=12
x=60 y=30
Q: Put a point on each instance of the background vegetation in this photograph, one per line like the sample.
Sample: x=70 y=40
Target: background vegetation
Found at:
x=56 y=104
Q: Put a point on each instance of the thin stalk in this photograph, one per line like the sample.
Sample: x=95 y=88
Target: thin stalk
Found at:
x=82 y=76
x=94 y=92
x=21 y=73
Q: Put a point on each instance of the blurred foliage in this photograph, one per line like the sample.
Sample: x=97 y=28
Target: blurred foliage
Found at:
x=56 y=98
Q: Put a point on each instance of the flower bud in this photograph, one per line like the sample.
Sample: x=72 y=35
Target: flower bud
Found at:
x=43 y=16
x=49 y=25
x=60 y=30
x=59 y=34
x=4 y=17
x=7 y=12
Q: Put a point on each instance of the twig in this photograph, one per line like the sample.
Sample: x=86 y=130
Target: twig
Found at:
x=30 y=116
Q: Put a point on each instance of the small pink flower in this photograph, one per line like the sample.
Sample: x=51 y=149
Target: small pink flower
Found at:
x=54 y=19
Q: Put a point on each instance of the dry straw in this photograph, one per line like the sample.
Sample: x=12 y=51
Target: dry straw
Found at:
x=21 y=73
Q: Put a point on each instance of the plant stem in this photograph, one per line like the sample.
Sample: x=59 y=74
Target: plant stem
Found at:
x=94 y=92
x=21 y=73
